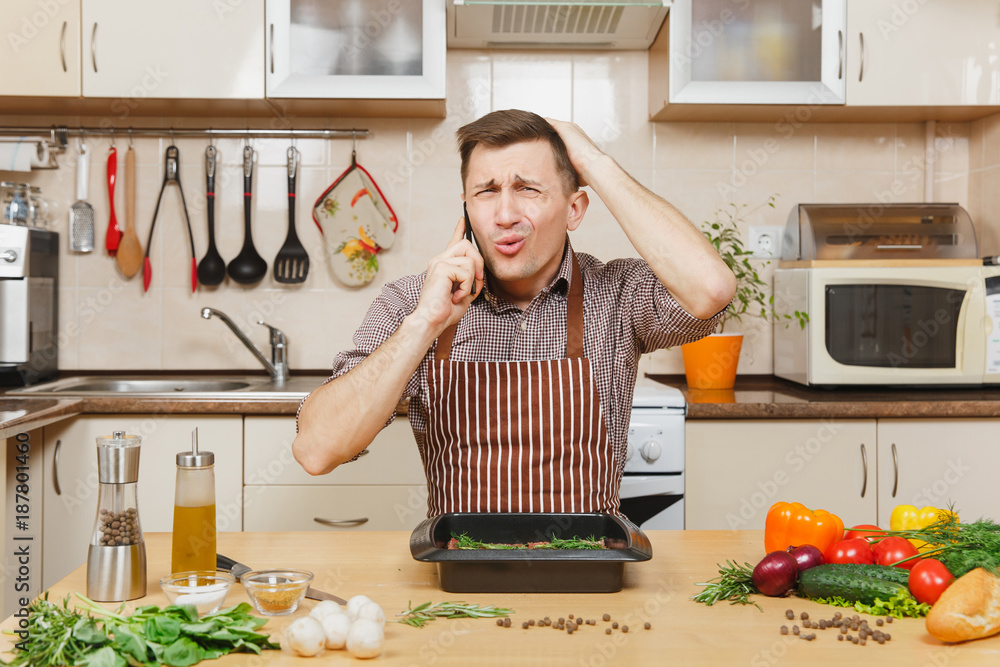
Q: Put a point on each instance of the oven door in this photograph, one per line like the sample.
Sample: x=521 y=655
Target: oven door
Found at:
x=896 y=325
x=653 y=502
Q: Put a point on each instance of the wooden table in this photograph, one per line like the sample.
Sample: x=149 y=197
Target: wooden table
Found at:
x=378 y=564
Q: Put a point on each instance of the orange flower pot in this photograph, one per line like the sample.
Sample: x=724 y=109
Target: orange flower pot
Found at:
x=710 y=363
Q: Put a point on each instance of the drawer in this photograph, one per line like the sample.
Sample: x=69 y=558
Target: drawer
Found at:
x=279 y=508
x=392 y=457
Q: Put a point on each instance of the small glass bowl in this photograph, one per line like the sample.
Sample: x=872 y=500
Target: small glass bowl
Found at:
x=276 y=592
x=206 y=590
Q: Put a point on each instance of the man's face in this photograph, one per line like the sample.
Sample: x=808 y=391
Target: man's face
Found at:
x=520 y=210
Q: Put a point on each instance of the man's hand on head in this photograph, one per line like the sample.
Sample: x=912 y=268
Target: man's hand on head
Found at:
x=582 y=150
x=447 y=291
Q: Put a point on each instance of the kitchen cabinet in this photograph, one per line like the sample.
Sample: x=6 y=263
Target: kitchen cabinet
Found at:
x=922 y=53
x=385 y=489
x=369 y=49
x=71 y=482
x=737 y=469
x=183 y=49
x=848 y=60
x=938 y=462
x=42 y=48
x=22 y=532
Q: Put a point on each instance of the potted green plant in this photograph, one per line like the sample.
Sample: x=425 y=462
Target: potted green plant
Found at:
x=710 y=363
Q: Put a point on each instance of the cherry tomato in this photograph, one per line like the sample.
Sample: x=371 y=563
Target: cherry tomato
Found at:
x=928 y=579
x=850 y=551
x=891 y=550
x=865 y=531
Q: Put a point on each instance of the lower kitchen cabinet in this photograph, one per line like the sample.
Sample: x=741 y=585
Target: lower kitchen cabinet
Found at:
x=385 y=489
x=736 y=469
x=938 y=462
x=71 y=481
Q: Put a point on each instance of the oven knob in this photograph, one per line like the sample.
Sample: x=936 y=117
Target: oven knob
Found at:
x=629 y=450
x=9 y=255
x=650 y=450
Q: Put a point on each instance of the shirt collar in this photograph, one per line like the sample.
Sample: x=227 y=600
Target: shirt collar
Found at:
x=560 y=283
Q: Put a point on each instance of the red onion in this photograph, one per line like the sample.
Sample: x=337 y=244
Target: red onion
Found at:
x=807 y=556
x=776 y=574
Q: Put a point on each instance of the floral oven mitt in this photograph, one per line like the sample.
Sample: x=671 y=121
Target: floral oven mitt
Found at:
x=357 y=222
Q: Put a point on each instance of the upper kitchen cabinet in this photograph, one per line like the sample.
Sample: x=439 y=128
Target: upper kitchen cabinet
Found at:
x=41 y=51
x=181 y=49
x=364 y=49
x=764 y=52
x=931 y=53
x=826 y=60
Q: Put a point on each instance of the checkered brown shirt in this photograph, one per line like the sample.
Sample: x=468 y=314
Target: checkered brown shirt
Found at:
x=626 y=312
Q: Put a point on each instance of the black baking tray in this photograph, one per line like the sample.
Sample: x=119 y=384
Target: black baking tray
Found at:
x=530 y=570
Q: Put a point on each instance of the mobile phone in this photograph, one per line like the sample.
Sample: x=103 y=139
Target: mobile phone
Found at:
x=470 y=237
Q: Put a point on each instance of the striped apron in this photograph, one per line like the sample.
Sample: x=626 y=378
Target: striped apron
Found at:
x=519 y=436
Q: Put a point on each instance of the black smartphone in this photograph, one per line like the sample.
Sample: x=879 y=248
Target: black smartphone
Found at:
x=470 y=237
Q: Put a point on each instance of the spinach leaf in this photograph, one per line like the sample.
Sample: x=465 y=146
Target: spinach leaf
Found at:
x=182 y=653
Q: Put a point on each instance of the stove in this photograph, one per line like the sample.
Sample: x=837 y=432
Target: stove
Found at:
x=652 y=488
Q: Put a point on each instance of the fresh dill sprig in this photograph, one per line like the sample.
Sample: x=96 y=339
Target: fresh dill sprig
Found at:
x=463 y=541
x=960 y=546
x=419 y=616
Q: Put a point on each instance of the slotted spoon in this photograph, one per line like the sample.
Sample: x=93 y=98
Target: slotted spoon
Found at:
x=291 y=265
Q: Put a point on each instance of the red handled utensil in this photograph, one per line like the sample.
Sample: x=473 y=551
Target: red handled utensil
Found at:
x=114 y=235
x=171 y=174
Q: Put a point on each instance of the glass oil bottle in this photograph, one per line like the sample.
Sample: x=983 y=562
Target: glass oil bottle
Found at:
x=116 y=560
x=193 y=542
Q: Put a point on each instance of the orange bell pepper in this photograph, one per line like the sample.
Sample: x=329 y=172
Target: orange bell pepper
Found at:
x=794 y=524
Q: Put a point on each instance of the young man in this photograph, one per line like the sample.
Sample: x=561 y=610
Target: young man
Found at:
x=519 y=355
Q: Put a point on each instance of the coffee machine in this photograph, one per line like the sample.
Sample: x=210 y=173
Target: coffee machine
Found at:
x=29 y=305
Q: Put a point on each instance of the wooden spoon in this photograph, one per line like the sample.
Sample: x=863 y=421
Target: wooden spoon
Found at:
x=129 y=248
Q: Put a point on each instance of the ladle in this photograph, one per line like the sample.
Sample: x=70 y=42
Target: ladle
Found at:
x=211 y=268
x=247 y=267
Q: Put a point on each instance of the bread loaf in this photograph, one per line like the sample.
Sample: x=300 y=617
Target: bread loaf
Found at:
x=968 y=609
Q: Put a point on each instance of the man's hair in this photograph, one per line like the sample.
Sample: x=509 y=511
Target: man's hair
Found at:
x=500 y=129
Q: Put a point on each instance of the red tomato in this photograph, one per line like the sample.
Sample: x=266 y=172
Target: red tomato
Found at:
x=850 y=551
x=865 y=531
x=893 y=549
x=928 y=579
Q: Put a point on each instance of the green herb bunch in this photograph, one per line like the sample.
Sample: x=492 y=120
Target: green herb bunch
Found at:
x=962 y=547
x=591 y=542
x=58 y=635
x=420 y=615
x=734 y=583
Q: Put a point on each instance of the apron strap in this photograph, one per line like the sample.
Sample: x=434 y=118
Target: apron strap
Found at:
x=574 y=322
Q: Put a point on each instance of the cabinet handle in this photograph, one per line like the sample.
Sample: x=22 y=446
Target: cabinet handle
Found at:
x=840 y=54
x=342 y=523
x=272 y=48
x=62 y=46
x=55 y=468
x=861 y=72
x=864 y=463
x=93 y=47
x=895 y=470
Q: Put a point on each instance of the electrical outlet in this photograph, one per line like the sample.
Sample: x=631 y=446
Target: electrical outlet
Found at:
x=765 y=241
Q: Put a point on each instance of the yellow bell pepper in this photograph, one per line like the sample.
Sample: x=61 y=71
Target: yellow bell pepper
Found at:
x=908 y=517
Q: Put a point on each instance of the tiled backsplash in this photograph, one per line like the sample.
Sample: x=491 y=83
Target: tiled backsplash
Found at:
x=108 y=322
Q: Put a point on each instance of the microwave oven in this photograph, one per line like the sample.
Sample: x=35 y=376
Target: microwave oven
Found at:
x=889 y=325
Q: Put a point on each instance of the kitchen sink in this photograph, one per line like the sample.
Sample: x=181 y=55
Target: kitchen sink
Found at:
x=243 y=387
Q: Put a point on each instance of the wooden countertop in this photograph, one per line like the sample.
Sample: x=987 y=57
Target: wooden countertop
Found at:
x=770 y=397
x=378 y=564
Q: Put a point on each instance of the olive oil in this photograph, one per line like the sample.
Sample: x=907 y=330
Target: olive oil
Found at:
x=193 y=545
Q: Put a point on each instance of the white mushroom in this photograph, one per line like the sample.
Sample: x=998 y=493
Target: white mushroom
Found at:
x=335 y=629
x=365 y=638
x=305 y=636
x=372 y=612
x=325 y=608
x=355 y=603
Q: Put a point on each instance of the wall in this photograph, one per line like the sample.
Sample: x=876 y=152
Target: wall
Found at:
x=110 y=323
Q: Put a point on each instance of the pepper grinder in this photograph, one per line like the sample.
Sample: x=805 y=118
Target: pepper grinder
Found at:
x=116 y=560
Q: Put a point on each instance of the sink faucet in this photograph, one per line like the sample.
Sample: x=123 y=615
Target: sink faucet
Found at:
x=278 y=366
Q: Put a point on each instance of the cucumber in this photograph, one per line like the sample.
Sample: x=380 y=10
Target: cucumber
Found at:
x=898 y=574
x=857 y=583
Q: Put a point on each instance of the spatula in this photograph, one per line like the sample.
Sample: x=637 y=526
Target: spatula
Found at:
x=114 y=235
x=291 y=265
x=129 y=255
x=81 y=214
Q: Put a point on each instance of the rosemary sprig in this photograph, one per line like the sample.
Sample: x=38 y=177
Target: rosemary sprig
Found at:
x=734 y=583
x=575 y=542
x=419 y=616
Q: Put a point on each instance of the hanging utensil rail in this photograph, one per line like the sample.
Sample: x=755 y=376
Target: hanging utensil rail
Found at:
x=59 y=134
